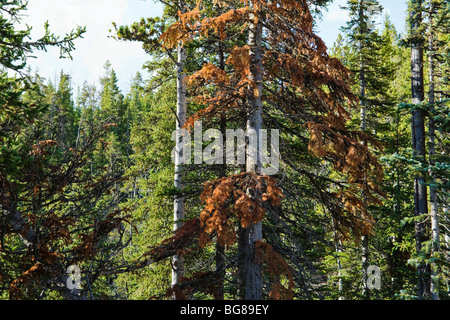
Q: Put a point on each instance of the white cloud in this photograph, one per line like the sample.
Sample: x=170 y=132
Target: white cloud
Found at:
x=96 y=47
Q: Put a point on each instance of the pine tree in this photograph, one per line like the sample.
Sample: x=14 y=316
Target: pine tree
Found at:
x=438 y=14
x=150 y=180
x=434 y=283
x=418 y=140
x=180 y=153
x=368 y=53
x=51 y=218
x=289 y=59
x=63 y=112
x=252 y=269
x=371 y=66
x=15 y=50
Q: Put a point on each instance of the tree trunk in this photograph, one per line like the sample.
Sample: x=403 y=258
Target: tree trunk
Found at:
x=220 y=249
x=434 y=288
x=418 y=141
x=365 y=265
x=363 y=116
x=362 y=74
x=252 y=270
x=179 y=201
x=338 y=250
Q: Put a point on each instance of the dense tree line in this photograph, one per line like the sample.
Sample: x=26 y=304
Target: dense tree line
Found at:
x=95 y=180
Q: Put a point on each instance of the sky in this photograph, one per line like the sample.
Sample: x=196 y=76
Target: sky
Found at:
x=329 y=28
x=127 y=58
x=96 y=47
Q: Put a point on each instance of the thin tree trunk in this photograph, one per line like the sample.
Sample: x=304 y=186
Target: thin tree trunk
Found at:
x=363 y=116
x=179 y=201
x=338 y=249
x=220 y=249
x=80 y=123
x=418 y=132
x=252 y=269
x=434 y=286
x=365 y=265
x=362 y=74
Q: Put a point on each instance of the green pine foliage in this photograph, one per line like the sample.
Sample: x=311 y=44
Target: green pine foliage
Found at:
x=88 y=171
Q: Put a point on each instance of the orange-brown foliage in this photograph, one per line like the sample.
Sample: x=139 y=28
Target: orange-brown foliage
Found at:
x=240 y=196
x=277 y=267
x=301 y=81
x=207 y=282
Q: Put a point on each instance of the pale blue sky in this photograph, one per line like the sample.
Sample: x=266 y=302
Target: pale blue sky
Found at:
x=335 y=18
x=127 y=58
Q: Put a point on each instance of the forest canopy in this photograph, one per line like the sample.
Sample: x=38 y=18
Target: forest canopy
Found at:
x=247 y=161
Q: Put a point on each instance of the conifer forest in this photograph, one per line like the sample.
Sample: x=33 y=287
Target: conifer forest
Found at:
x=248 y=160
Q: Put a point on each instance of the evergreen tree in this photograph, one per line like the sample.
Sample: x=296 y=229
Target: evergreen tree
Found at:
x=87 y=180
x=418 y=142
x=63 y=112
x=373 y=56
x=369 y=62
x=150 y=179
x=50 y=215
x=438 y=24
x=237 y=64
